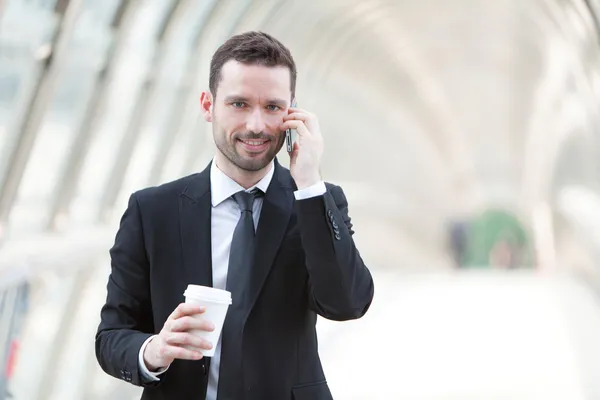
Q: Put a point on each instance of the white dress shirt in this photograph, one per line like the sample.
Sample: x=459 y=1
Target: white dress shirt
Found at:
x=225 y=214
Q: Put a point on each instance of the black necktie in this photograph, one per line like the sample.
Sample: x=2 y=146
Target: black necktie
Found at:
x=242 y=249
x=241 y=258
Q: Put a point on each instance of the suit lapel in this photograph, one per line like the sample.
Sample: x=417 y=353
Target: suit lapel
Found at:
x=194 y=213
x=274 y=218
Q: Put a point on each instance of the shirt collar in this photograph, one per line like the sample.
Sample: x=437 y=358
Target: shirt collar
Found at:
x=222 y=187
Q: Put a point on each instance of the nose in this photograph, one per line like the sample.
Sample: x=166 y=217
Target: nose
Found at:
x=256 y=122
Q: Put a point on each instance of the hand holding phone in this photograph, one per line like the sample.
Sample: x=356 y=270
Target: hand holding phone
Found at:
x=306 y=153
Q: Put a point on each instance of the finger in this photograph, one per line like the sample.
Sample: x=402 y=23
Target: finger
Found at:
x=180 y=353
x=188 y=323
x=186 y=309
x=292 y=110
x=297 y=115
x=187 y=339
x=299 y=126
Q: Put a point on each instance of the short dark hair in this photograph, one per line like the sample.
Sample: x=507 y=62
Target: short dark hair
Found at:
x=252 y=48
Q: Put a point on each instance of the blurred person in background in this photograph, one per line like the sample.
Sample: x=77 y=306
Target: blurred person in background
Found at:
x=458 y=235
x=280 y=240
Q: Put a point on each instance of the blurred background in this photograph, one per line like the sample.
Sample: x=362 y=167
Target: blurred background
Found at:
x=465 y=133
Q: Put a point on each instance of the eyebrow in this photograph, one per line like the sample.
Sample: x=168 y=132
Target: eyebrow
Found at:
x=233 y=99
x=277 y=102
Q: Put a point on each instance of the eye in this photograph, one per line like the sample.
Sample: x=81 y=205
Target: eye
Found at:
x=238 y=104
x=273 y=108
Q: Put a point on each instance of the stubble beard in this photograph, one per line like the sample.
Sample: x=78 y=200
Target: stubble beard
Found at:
x=249 y=164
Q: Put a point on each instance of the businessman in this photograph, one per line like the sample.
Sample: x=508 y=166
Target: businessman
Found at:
x=279 y=240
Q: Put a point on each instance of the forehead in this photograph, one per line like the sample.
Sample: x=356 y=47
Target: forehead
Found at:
x=254 y=80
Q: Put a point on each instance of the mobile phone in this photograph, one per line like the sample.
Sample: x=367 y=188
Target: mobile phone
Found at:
x=288 y=134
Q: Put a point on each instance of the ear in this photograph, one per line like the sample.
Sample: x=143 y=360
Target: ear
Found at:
x=206 y=103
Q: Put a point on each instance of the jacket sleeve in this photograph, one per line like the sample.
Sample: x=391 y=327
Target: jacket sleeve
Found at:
x=126 y=317
x=339 y=283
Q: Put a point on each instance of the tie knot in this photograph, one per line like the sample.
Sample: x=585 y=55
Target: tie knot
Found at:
x=245 y=199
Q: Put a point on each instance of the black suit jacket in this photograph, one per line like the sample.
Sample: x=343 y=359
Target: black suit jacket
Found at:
x=306 y=264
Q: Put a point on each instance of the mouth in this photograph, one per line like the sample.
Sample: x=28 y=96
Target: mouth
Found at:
x=254 y=145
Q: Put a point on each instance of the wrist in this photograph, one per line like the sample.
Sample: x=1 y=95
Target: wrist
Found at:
x=151 y=364
x=308 y=182
x=151 y=367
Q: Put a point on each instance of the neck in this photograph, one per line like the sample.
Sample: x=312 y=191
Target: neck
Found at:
x=245 y=179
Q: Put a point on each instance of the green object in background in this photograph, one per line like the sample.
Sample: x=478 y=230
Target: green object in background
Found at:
x=497 y=231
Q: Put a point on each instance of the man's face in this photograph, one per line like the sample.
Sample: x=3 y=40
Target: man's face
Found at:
x=248 y=109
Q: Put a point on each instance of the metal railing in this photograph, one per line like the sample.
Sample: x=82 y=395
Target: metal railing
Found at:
x=13 y=309
x=50 y=270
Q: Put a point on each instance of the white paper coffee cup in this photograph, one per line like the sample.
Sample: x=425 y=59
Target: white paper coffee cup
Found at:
x=216 y=302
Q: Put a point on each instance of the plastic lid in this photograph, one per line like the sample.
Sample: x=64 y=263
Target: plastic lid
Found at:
x=208 y=293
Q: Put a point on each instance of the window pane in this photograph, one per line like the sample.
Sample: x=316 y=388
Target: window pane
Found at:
x=130 y=75
x=177 y=78
x=153 y=137
x=85 y=56
x=23 y=34
x=102 y=11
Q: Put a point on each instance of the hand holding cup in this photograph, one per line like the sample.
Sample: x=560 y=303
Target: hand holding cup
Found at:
x=176 y=340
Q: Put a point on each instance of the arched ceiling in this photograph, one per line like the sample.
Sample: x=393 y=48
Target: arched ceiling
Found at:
x=435 y=109
x=445 y=88
x=444 y=104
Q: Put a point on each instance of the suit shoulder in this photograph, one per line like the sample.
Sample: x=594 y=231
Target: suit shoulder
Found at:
x=331 y=186
x=165 y=190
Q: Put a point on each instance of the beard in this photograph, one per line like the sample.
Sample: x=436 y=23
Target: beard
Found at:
x=229 y=148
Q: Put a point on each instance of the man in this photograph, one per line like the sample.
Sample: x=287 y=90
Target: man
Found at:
x=300 y=262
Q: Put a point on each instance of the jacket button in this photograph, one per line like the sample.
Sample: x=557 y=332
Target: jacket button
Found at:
x=334 y=224
x=329 y=214
x=338 y=237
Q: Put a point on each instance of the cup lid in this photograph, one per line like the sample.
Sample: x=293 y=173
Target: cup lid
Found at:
x=208 y=293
